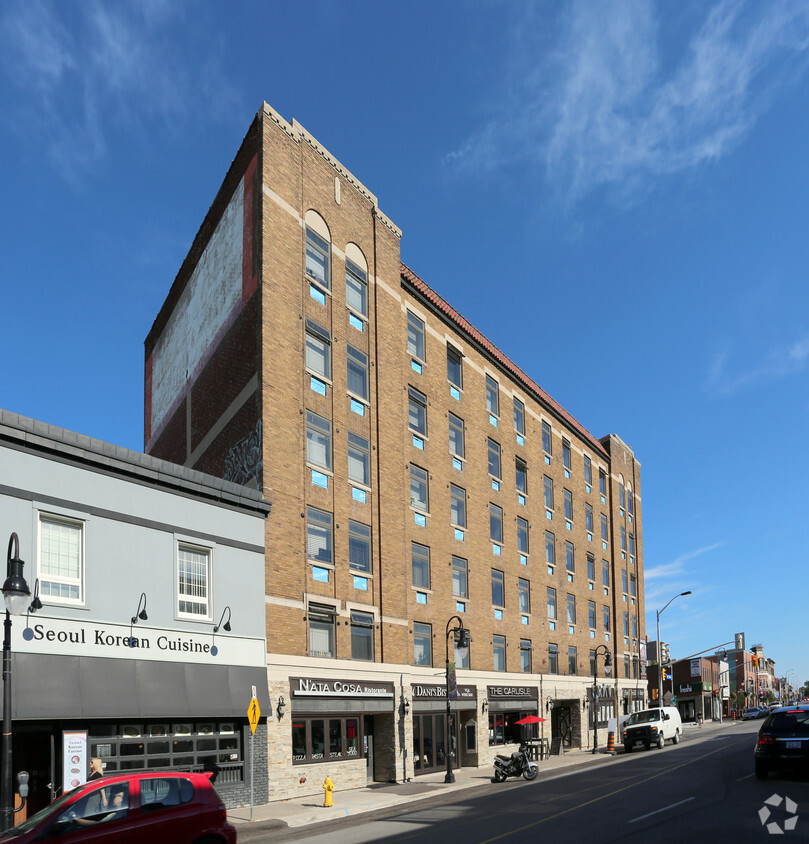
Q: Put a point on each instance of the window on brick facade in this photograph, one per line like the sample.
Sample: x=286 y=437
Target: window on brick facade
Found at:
x=492 y=396
x=553 y=658
x=420 y=565
x=359 y=546
x=318 y=440
x=498 y=653
x=591 y=614
x=546 y=438
x=357 y=372
x=362 y=636
x=419 y=492
x=456 y=436
x=422 y=643
x=356 y=288
x=524 y=595
x=319 y=536
x=591 y=567
x=551 y=603
x=498 y=588
x=417 y=411
x=550 y=548
x=521 y=472
x=460 y=578
x=494 y=459
x=606 y=612
x=318 y=251
x=548 y=486
x=322 y=623
x=359 y=460
x=572 y=661
x=519 y=417
x=522 y=535
x=588 y=518
x=566 y=454
x=495 y=523
x=415 y=336
x=318 y=349
x=525 y=656
x=571 y=609
x=568 y=504
x=588 y=470
x=570 y=561
x=455 y=367
x=457 y=506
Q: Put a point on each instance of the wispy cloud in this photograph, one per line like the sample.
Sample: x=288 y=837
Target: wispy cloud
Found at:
x=677 y=567
x=619 y=96
x=83 y=71
x=726 y=376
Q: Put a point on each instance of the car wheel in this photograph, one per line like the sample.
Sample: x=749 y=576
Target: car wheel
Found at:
x=676 y=739
x=530 y=773
x=209 y=839
x=661 y=741
x=761 y=770
x=628 y=748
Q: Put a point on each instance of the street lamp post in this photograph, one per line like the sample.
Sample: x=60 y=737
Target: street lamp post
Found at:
x=460 y=640
x=607 y=672
x=659 y=654
x=17 y=596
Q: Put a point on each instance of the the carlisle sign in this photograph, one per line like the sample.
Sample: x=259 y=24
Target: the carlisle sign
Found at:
x=72 y=638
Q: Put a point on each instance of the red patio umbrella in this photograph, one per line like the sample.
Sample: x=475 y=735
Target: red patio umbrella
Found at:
x=530 y=719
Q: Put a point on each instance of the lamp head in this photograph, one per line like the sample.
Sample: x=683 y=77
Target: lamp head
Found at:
x=15 y=590
x=462 y=642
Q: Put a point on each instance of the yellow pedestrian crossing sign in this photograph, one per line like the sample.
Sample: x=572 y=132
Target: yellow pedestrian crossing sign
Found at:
x=253 y=714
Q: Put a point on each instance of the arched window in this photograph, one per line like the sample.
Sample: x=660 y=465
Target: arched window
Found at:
x=318 y=250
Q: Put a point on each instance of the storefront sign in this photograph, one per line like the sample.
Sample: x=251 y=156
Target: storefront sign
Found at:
x=604 y=691
x=311 y=687
x=693 y=688
x=512 y=692
x=695 y=668
x=74 y=754
x=66 y=637
x=422 y=691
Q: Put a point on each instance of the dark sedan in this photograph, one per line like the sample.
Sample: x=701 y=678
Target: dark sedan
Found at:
x=783 y=741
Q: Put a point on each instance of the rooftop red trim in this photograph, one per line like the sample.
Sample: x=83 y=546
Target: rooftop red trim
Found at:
x=411 y=279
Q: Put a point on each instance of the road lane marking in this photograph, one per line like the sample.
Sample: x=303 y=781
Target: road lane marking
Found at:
x=598 y=799
x=658 y=811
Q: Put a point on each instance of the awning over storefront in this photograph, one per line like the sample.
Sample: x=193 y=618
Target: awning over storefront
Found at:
x=510 y=698
x=69 y=687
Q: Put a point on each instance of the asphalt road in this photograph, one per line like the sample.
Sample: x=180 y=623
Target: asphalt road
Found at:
x=701 y=789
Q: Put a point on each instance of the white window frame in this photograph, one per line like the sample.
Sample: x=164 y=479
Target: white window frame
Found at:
x=356 y=286
x=207 y=551
x=416 y=327
x=81 y=524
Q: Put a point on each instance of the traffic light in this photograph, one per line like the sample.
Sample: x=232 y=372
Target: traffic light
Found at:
x=665 y=674
x=665 y=652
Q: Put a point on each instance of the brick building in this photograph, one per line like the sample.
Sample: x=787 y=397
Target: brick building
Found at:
x=416 y=475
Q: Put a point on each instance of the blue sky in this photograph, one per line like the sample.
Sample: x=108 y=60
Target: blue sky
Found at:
x=613 y=192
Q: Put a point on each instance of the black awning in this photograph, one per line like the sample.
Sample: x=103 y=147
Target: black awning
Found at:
x=67 y=687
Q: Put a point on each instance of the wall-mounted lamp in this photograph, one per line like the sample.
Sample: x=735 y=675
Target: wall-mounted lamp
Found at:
x=405 y=705
x=36 y=604
x=484 y=706
x=584 y=703
x=280 y=707
x=140 y=612
x=225 y=626
x=548 y=703
x=227 y=623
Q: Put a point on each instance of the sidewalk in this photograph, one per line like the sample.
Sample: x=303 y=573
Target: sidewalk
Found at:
x=379 y=795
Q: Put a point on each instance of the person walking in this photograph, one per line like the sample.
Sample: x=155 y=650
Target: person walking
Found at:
x=96 y=769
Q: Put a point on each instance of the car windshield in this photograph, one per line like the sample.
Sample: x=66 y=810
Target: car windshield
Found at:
x=643 y=717
x=29 y=824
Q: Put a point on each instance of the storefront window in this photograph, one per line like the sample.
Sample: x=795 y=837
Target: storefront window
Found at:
x=503 y=728
x=309 y=739
x=183 y=746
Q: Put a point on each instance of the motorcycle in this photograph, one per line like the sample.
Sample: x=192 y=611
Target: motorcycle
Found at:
x=514 y=766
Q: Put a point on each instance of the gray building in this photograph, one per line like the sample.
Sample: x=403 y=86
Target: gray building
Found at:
x=135 y=561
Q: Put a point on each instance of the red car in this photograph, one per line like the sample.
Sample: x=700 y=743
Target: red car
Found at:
x=158 y=808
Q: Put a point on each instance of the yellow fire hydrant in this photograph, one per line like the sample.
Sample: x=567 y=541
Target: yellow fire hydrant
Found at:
x=328 y=787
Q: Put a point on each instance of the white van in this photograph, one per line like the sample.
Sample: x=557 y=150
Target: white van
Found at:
x=652 y=726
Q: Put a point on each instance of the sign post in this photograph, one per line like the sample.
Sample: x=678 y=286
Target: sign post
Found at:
x=253 y=714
